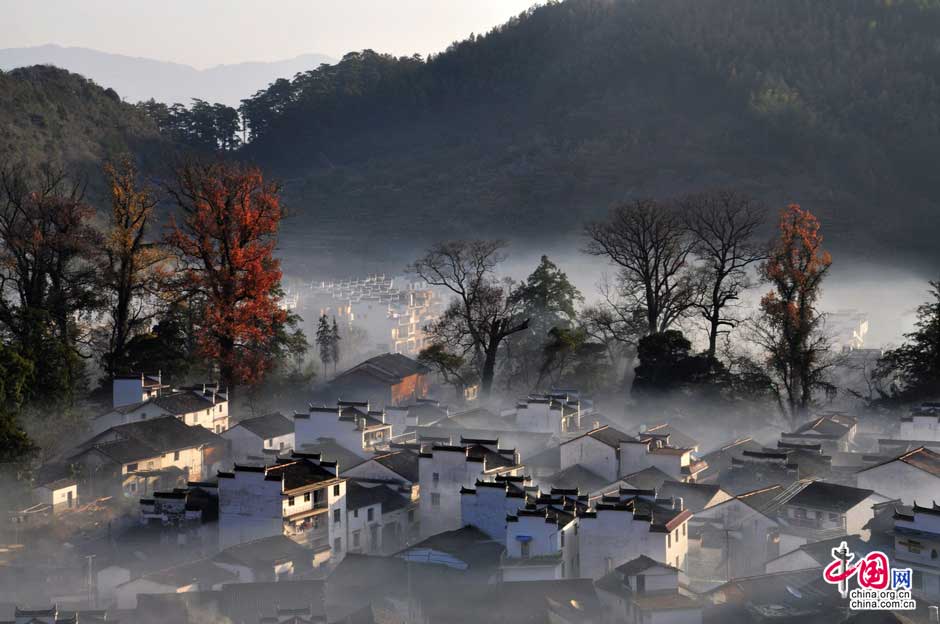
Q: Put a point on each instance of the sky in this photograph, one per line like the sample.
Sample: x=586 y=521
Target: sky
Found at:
x=203 y=33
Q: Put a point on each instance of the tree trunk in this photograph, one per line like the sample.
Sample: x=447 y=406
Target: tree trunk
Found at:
x=489 y=370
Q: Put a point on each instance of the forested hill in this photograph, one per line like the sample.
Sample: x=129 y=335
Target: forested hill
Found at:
x=577 y=104
x=48 y=115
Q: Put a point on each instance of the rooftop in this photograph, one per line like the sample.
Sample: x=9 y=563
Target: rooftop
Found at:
x=829 y=496
x=268 y=426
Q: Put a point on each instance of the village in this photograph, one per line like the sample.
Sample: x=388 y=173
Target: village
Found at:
x=390 y=504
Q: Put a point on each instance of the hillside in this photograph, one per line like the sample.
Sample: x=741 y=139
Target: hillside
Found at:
x=548 y=119
x=138 y=79
x=48 y=114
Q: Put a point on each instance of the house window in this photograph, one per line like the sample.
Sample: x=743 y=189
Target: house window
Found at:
x=370 y=514
x=338 y=545
x=684 y=526
x=290 y=501
x=337 y=515
x=336 y=490
x=562 y=539
x=355 y=513
x=176 y=455
x=435 y=500
x=132 y=468
x=306 y=497
x=355 y=539
x=436 y=478
x=668 y=540
x=220 y=408
x=524 y=549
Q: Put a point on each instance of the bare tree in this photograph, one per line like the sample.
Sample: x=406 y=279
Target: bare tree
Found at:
x=723 y=226
x=482 y=312
x=650 y=244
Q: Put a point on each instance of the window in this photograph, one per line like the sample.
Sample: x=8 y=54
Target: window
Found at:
x=370 y=514
x=132 y=468
x=290 y=501
x=176 y=456
x=435 y=500
x=337 y=515
x=524 y=549
x=668 y=540
x=355 y=513
x=336 y=490
x=220 y=408
x=338 y=545
x=355 y=539
x=562 y=539
x=436 y=478
x=684 y=526
x=306 y=497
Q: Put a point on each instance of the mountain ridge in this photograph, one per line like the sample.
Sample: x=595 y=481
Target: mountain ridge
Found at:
x=138 y=78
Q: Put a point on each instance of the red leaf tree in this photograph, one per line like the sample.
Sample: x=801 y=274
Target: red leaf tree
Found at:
x=790 y=326
x=225 y=241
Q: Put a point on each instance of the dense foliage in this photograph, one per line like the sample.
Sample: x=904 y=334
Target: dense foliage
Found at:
x=572 y=105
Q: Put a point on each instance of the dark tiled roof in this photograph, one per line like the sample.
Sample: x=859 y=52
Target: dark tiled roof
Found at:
x=695 y=496
x=298 y=473
x=180 y=403
x=331 y=450
x=576 y=476
x=404 y=463
x=828 y=425
x=359 y=496
x=390 y=368
x=641 y=564
x=676 y=437
x=168 y=434
x=606 y=435
x=651 y=478
x=268 y=426
x=264 y=552
x=204 y=572
x=921 y=458
x=127 y=451
x=829 y=496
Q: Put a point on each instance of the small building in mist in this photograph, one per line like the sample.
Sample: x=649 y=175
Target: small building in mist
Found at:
x=645 y=591
x=253 y=436
x=351 y=424
x=205 y=405
x=383 y=380
x=909 y=477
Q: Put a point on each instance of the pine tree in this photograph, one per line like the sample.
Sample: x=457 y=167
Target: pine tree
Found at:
x=325 y=341
x=334 y=344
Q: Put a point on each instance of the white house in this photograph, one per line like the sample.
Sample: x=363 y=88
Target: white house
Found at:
x=300 y=497
x=487 y=504
x=132 y=389
x=382 y=519
x=628 y=524
x=835 y=432
x=915 y=475
x=923 y=423
x=610 y=454
x=60 y=494
x=828 y=509
x=445 y=469
x=917 y=545
x=251 y=437
x=351 y=424
x=645 y=591
x=205 y=405
x=540 y=544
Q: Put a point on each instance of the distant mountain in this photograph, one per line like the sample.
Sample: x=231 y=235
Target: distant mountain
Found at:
x=138 y=79
x=543 y=123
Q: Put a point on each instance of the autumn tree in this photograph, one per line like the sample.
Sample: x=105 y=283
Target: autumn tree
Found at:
x=482 y=312
x=225 y=242
x=651 y=246
x=130 y=272
x=723 y=227
x=788 y=327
